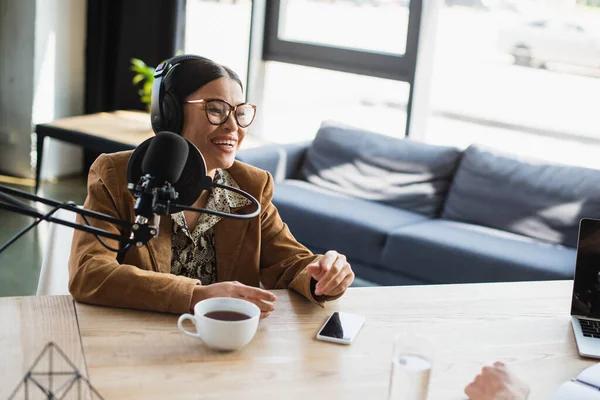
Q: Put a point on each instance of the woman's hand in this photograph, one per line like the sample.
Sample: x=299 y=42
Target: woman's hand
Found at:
x=497 y=383
x=332 y=273
x=263 y=299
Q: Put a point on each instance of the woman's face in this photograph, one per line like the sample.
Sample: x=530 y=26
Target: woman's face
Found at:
x=217 y=143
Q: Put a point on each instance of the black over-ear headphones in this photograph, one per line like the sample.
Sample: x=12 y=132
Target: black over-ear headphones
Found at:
x=166 y=112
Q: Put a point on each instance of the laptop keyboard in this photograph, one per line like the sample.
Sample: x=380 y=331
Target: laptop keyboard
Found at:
x=590 y=328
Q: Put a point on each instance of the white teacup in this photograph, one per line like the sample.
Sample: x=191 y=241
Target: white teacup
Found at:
x=221 y=334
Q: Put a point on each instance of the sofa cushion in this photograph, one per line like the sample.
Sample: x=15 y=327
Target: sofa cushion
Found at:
x=400 y=172
x=375 y=274
x=528 y=197
x=441 y=251
x=318 y=218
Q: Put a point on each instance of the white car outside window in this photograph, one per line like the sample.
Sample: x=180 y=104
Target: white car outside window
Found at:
x=539 y=42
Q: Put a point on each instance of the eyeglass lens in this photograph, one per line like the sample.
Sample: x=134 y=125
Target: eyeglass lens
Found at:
x=218 y=112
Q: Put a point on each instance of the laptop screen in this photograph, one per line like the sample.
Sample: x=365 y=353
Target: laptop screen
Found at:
x=586 y=288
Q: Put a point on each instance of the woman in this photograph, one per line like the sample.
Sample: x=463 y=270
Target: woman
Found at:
x=198 y=256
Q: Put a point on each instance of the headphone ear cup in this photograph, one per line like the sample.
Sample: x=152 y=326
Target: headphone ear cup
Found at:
x=172 y=113
x=156 y=115
x=166 y=114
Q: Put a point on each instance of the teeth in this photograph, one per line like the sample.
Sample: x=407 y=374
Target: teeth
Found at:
x=230 y=143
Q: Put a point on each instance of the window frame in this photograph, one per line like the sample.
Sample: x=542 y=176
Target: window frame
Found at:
x=362 y=62
x=370 y=63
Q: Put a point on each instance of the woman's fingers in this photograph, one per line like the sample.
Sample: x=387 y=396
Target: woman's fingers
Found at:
x=262 y=298
x=343 y=285
x=320 y=267
x=264 y=315
x=334 y=276
x=254 y=293
x=331 y=272
x=263 y=305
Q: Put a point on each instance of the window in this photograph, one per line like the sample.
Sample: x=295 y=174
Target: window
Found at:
x=378 y=26
x=500 y=81
x=575 y=28
x=354 y=64
x=369 y=37
x=347 y=60
x=207 y=34
x=538 y=24
x=298 y=98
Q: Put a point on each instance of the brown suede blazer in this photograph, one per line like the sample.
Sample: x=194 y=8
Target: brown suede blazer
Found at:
x=261 y=249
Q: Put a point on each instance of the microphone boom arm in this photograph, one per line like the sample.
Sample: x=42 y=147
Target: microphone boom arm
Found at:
x=140 y=231
x=139 y=236
x=74 y=225
x=54 y=203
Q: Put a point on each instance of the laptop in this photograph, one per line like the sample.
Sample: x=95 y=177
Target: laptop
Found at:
x=585 y=303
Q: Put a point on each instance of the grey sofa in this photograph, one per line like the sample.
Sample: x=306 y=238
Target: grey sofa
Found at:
x=405 y=212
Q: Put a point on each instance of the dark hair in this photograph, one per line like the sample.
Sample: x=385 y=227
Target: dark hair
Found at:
x=191 y=75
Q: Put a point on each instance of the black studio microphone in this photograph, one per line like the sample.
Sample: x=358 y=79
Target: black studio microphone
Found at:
x=166 y=157
x=160 y=165
x=167 y=174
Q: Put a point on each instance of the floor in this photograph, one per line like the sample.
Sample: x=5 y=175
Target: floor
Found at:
x=20 y=263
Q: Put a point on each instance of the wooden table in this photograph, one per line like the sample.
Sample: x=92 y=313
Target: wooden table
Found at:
x=105 y=132
x=27 y=325
x=134 y=354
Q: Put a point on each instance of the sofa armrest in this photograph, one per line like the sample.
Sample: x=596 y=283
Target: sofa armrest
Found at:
x=282 y=160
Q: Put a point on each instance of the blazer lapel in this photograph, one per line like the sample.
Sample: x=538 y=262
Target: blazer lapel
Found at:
x=229 y=237
x=160 y=247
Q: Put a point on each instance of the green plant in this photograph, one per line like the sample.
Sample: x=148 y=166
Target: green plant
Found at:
x=144 y=74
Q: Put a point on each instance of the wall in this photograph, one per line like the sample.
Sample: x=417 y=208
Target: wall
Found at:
x=17 y=38
x=59 y=77
x=42 y=49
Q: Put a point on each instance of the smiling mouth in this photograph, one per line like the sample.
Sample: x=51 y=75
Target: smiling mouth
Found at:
x=228 y=144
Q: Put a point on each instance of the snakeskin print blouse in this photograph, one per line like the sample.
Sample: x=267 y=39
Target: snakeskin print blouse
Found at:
x=193 y=253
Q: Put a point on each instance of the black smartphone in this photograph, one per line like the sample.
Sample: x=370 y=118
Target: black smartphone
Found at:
x=341 y=327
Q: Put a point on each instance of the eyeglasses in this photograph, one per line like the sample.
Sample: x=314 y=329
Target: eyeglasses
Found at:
x=218 y=111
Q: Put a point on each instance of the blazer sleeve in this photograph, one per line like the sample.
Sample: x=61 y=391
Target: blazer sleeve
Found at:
x=283 y=259
x=96 y=277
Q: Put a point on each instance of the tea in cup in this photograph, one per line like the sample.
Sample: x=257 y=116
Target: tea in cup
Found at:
x=223 y=323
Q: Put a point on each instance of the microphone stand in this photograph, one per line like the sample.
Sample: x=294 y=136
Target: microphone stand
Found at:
x=139 y=235
x=151 y=202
